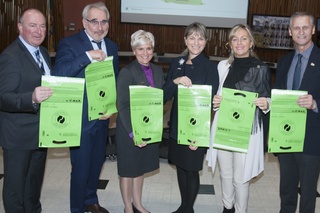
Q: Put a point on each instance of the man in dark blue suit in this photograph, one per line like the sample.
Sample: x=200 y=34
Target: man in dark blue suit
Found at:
x=303 y=167
x=22 y=64
x=74 y=54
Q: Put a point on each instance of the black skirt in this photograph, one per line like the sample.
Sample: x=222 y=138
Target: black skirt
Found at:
x=133 y=161
x=185 y=158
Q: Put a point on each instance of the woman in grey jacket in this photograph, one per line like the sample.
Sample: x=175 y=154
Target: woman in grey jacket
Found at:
x=134 y=161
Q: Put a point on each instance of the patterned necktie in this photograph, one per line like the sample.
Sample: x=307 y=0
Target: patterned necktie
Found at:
x=98 y=43
x=40 y=62
x=297 y=73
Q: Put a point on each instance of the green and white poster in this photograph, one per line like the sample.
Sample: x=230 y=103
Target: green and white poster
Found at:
x=194 y=115
x=61 y=114
x=287 y=122
x=101 y=88
x=236 y=114
x=146 y=110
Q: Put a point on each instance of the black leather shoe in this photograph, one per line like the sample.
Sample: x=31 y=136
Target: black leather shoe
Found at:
x=225 y=210
x=180 y=210
x=135 y=210
x=96 y=208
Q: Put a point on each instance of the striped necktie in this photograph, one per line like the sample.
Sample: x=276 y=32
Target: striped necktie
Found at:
x=40 y=62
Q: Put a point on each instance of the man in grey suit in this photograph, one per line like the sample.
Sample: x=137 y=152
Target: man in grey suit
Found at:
x=22 y=64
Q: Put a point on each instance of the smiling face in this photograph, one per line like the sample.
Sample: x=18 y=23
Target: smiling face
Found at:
x=32 y=27
x=195 y=44
x=97 y=32
x=301 y=31
x=144 y=53
x=241 y=43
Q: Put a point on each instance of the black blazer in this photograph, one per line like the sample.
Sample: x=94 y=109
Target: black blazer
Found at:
x=311 y=83
x=133 y=74
x=19 y=76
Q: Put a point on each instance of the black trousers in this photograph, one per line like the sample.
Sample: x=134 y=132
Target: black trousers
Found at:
x=297 y=169
x=23 y=177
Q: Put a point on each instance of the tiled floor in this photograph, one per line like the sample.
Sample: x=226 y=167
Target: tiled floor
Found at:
x=161 y=193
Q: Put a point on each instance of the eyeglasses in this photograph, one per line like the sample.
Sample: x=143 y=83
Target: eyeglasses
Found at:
x=96 y=23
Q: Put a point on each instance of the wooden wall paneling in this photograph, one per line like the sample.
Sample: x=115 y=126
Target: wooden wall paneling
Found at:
x=57 y=24
x=169 y=39
x=7 y=10
x=10 y=13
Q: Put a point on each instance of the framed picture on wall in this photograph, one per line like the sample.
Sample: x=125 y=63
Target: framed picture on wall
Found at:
x=271 y=31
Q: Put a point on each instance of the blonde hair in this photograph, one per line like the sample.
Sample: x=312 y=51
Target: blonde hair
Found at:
x=232 y=33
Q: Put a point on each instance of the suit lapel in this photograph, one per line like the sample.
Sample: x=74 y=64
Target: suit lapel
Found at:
x=312 y=67
x=29 y=57
x=155 y=77
x=85 y=41
x=286 y=64
x=139 y=73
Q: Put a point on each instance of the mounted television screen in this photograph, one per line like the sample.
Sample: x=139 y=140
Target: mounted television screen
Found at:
x=212 y=13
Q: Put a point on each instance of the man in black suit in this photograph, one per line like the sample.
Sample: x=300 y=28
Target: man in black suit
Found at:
x=22 y=64
x=74 y=54
x=301 y=167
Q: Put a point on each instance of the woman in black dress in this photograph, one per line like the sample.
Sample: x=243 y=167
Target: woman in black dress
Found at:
x=134 y=161
x=193 y=68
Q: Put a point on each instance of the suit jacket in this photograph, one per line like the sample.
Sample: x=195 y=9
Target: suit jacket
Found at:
x=19 y=76
x=133 y=74
x=71 y=60
x=310 y=82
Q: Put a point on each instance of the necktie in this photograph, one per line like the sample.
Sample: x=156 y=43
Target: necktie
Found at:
x=40 y=62
x=297 y=73
x=98 y=43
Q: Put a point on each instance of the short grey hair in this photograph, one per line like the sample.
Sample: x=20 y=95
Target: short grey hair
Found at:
x=99 y=5
x=300 y=14
x=141 y=37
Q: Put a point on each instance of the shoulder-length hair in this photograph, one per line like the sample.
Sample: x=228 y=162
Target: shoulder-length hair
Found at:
x=232 y=33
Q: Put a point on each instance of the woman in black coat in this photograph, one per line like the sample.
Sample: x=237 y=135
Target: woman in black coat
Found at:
x=193 y=68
